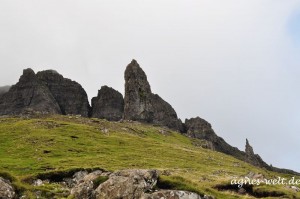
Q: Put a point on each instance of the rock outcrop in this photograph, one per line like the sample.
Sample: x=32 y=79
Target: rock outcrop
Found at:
x=173 y=194
x=142 y=105
x=253 y=158
x=127 y=184
x=70 y=96
x=84 y=187
x=109 y=104
x=6 y=190
x=28 y=93
x=201 y=129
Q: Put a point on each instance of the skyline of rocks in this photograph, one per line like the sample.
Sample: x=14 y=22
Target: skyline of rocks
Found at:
x=48 y=92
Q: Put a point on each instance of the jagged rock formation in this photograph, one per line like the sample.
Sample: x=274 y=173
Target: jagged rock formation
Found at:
x=109 y=104
x=252 y=158
x=28 y=93
x=201 y=129
x=70 y=96
x=4 y=89
x=45 y=92
x=125 y=184
x=142 y=105
x=6 y=190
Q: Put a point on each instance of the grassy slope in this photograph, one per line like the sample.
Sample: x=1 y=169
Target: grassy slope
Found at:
x=87 y=143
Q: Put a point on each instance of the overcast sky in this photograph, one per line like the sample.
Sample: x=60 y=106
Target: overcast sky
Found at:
x=234 y=63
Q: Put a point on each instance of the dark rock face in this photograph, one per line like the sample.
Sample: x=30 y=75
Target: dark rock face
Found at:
x=201 y=129
x=70 y=96
x=138 y=104
x=142 y=105
x=109 y=104
x=252 y=158
x=28 y=93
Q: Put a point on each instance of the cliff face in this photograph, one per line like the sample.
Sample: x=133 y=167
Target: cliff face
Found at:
x=70 y=96
x=28 y=93
x=109 y=104
x=46 y=92
x=142 y=105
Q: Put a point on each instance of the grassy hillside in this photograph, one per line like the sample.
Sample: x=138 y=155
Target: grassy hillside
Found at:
x=30 y=146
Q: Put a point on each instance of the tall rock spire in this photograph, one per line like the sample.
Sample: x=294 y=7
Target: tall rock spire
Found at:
x=142 y=105
x=138 y=105
x=253 y=158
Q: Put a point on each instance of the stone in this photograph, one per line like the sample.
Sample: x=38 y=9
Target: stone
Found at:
x=84 y=190
x=127 y=184
x=109 y=104
x=70 y=96
x=144 y=106
x=6 y=190
x=38 y=182
x=84 y=187
x=242 y=191
x=296 y=189
x=79 y=176
x=28 y=93
x=200 y=129
x=174 y=194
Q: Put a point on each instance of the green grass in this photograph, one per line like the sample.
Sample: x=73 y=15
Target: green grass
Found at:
x=31 y=148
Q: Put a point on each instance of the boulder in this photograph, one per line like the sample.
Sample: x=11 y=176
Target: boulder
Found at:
x=70 y=96
x=6 y=190
x=28 y=93
x=84 y=187
x=127 y=184
x=142 y=105
x=174 y=194
x=109 y=104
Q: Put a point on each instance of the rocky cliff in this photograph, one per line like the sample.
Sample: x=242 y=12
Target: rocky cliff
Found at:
x=142 y=105
x=70 y=96
x=28 y=93
x=45 y=92
x=109 y=104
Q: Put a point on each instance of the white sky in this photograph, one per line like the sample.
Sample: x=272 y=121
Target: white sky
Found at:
x=234 y=63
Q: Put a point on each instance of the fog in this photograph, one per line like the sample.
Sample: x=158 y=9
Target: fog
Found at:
x=233 y=63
